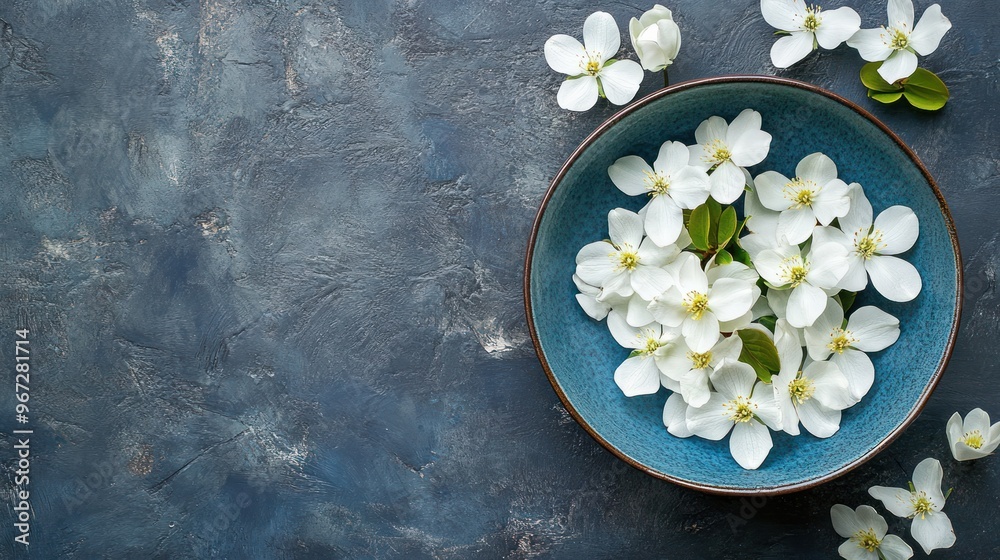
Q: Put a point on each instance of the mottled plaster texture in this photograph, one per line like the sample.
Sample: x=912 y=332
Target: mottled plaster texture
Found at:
x=271 y=252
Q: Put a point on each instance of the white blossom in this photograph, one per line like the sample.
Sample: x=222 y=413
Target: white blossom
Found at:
x=592 y=71
x=671 y=185
x=807 y=28
x=815 y=193
x=698 y=308
x=931 y=528
x=691 y=371
x=806 y=275
x=899 y=42
x=813 y=393
x=867 y=534
x=872 y=246
x=743 y=406
x=869 y=329
x=639 y=374
x=656 y=38
x=627 y=263
x=974 y=437
x=726 y=148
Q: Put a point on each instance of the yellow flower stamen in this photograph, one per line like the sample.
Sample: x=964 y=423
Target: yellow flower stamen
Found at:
x=739 y=410
x=812 y=19
x=800 y=193
x=716 y=151
x=801 y=389
x=657 y=184
x=840 y=340
x=900 y=39
x=696 y=304
x=974 y=439
x=652 y=345
x=867 y=539
x=794 y=270
x=922 y=505
x=628 y=259
x=700 y=361
x=868 y=245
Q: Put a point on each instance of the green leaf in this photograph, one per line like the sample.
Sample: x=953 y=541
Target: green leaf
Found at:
x=740 y=255
x=699 y=226
x=769 y=321
x=846 y=299
x=739 y=228
x=723 y=257
x=924 y=90
x=874 y=81
x=762 y=372
x=883 y=97
x=727 y=226
x=758 y=345
x=714 y=210
x=634 y=353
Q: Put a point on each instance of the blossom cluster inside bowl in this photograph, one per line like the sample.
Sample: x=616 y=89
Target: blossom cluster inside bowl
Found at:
x=749 y=321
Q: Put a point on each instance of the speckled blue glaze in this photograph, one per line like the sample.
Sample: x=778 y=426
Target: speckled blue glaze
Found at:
x=582 y=355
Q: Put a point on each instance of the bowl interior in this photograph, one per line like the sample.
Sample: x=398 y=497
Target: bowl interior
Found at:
x=582 y=356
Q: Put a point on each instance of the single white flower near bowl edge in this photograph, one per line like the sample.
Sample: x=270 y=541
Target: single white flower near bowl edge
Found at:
x=974 y=437
x=867 y=534
x=899 y=42
x=656 y=38
x=590 y=67
x=807 y=28
x=923 y=503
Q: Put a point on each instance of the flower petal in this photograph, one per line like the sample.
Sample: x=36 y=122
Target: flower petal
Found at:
x=624 y=334
x=837 y=26
x=829 y=385
x=695 y=388
x=710 y=421
x=734 y=379
x=901 y=13
x=730 y=298
x=899 y=227
x=818 y=334
x=711 y=129
x=851 y=551
x=629 y=174
x=595 y=309
x=674 y=411
x=650 y=281
x=638 y=376
x=664 y=220
x=894 y=278
x=726 y=182
x=827 y=270
x=701 y=334
x=790 y=49
x=817 y=419
x=900 y=64
x=954 y=430
x=625 y=228
x=796 y=224
x=621 y=80
x=750 y=444
x=668 y=308
x=805 y=305
x=872 y=44
x=858 y=369
x=783 y=14
x=672 y=158
x=870 y=519
x=816 y=167
x=895 y=548
x=831 y=202
x=767 y=408
x=927 y=478
x=896 y=500
x=564 y=54
x=601 y=36
x=689 y=187
x=875 y=329
x=933 y=531
x=578 y=94
x=770 y=187
x=638 y=314
x=859 y=217
x=929 y=30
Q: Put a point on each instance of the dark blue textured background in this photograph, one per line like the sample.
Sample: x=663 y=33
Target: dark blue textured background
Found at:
x=271 y=256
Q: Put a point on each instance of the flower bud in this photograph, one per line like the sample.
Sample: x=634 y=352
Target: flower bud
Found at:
x=656 y=38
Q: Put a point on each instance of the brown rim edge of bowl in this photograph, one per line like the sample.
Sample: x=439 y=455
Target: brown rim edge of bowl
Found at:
x=731 y=490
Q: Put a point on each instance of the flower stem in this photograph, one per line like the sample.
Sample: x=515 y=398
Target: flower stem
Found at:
x=666 y=79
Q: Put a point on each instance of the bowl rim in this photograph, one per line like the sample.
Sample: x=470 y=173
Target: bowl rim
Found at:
x=736 y=490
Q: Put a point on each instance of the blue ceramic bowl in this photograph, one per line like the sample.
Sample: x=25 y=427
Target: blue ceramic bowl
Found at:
x=579 y=355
